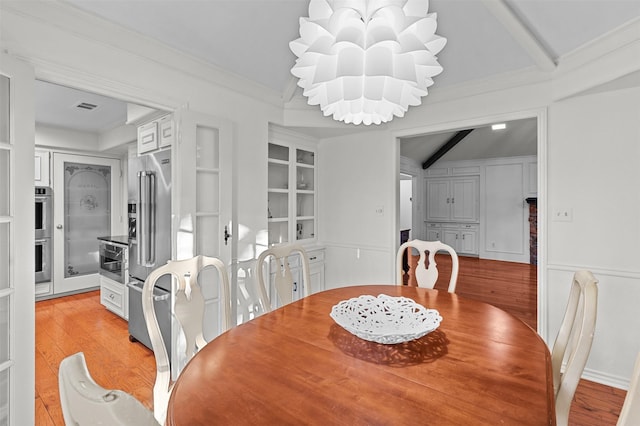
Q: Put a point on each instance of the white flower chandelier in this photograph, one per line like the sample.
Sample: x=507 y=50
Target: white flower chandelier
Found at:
x=364 y=61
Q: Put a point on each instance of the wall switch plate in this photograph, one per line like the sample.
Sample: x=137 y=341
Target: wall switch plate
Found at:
x=563 y=215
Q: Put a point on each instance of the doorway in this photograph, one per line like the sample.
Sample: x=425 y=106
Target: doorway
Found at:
x=533 y=133
x=86 y=197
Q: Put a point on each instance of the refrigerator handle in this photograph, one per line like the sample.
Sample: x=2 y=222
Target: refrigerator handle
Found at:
x=151 y=249
x=146 y=220
x=139 y=222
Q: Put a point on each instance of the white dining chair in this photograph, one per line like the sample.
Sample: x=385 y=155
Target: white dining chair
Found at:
x=427 y=274
x=189 y=311
x=630 y=414
x=86 y=403
x=573 y=342
x=283 y=282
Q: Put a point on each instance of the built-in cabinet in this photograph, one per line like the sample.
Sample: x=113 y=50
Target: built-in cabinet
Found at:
x=291 y=193
x=156 y=134
x=453 y=199
x=453 y=212
x=463 y=237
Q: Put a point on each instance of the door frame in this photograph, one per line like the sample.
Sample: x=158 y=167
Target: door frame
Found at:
x=21 y=290
x=541 y=116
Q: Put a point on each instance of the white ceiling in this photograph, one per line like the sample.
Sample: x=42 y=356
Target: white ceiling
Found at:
x=250 y=38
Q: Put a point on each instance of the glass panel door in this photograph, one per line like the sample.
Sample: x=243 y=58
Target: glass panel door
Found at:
x=17 y=329
x=86 y=192
x=87 y=215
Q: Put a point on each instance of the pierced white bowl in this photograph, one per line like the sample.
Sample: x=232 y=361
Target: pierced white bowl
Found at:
x=385 y=319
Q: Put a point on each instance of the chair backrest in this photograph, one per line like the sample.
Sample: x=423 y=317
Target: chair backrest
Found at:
x=188 y=310
x=250 y=303
x=573 y=342
x=426 y=271
x=630 y=414
x=284 y=284
x=84 y=402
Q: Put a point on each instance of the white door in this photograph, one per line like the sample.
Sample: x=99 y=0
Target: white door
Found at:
x=202 y=197
x=86 y=205
x=17 y=254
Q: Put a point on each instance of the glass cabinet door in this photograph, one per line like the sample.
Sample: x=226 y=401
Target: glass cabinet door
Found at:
x=87 y=213
x=278 y=193
x=291 y=202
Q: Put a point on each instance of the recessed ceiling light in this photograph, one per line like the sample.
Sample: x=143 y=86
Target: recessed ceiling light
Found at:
x=499 y=126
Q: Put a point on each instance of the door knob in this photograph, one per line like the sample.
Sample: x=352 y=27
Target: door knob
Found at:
x=58 y=226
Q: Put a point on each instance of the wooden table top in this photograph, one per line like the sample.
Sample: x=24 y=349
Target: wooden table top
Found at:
x=295 y=365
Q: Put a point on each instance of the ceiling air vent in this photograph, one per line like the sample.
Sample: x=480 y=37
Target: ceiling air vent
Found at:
x=87 y=106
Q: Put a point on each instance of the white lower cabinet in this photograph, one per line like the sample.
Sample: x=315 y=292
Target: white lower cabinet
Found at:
x=316 y=274
x=463 y=237
x=114 y=296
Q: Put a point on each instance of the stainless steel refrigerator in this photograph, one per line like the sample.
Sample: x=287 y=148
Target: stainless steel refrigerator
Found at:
x=149 y=212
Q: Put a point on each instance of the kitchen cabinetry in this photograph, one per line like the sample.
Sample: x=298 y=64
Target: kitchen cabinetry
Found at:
x=155 y=134
x=291 y=199
x=42 y=168
x=114 y=296
x=114 y=274
x=316 y=273
x=463 y=237
x=453 y=199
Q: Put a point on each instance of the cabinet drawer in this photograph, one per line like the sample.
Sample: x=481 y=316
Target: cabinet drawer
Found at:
x=315 y=256
x=112 y=296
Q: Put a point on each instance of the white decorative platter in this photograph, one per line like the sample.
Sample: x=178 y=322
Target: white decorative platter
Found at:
x=385 y=319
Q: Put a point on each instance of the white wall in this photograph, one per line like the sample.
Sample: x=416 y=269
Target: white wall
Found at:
x=594 y=147
x=357 y=179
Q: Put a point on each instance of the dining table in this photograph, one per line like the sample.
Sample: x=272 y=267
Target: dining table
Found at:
x=296 y=366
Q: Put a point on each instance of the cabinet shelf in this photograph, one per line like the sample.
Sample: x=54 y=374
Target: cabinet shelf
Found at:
x=274 y=161
x=278 y=190
x=277 y=219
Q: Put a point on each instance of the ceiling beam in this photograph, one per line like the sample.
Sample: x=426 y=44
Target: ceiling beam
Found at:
x=453 y=141
x=290 y=89
x=521 y=34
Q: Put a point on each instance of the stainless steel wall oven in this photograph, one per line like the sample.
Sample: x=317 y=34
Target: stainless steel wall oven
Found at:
x=43 y=243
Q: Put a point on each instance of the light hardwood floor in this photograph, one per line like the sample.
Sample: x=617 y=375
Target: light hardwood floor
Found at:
x=79 y=323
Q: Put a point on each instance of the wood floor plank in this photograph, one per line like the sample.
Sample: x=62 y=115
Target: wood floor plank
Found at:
x=76 y=323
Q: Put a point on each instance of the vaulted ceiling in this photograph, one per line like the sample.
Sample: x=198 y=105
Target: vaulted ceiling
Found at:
x=251 y=38
x=485 y=39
